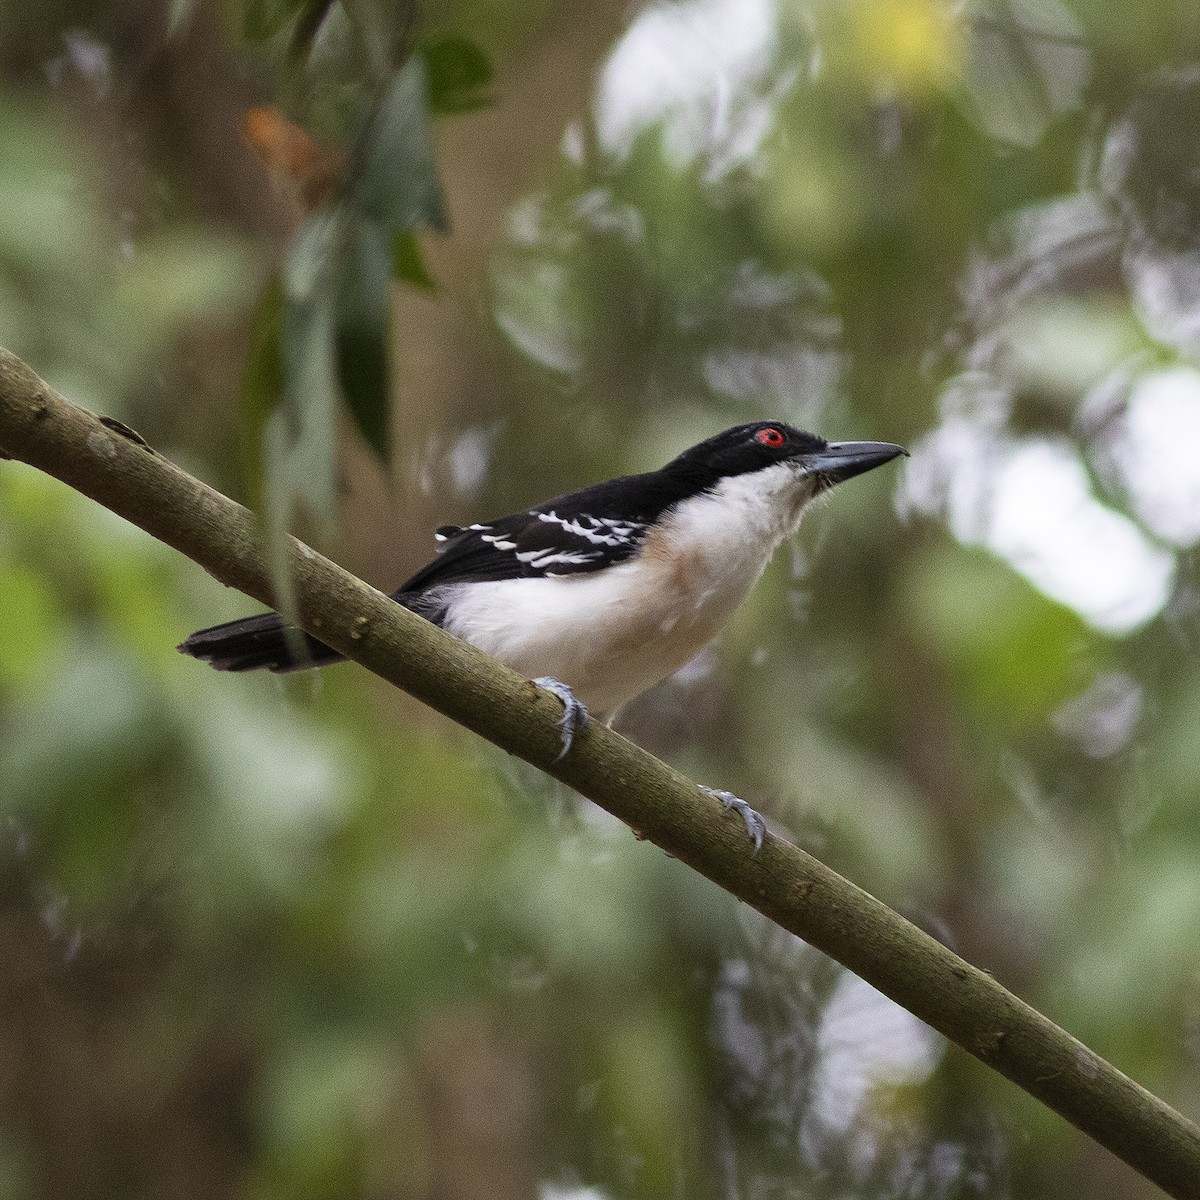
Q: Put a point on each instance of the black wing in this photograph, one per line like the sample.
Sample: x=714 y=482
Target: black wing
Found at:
x=569 y=535
x=528 y=545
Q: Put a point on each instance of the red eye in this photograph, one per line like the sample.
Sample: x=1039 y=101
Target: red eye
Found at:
x=770 y=437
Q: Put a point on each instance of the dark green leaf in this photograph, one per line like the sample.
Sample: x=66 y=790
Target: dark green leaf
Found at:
x=361 y=325
x=459 y=74
x=289 y=394
x=263 y=19
x=303 y=467
x=262 y=385
x=408 y=263
x=307 y=28
x=396 y=180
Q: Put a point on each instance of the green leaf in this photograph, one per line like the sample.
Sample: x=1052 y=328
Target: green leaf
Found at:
x=396 y=181
x=361 y=331
x=408 y=263
x=459 y=73
x=306 y=455
x=33 y=624
x=263 y=19
x=1014 y=654
x=297 y=438
x=307 y=27
x=262 y=385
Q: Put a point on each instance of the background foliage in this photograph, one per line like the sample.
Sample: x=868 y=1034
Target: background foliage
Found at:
x=283 y=939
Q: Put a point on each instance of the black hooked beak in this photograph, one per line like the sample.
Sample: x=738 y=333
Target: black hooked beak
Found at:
x=844 y=460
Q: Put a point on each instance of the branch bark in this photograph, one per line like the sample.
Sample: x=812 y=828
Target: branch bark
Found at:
x=107 y=462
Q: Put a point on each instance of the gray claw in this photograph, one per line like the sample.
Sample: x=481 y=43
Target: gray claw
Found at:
x=754 y=822
x=574 y=717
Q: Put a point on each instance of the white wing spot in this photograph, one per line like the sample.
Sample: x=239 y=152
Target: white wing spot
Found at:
x=600 y=531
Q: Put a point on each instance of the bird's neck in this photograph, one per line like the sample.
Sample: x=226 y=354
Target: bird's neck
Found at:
x=739 y=522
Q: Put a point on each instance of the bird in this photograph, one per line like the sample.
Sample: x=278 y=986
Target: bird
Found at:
x=599 y=594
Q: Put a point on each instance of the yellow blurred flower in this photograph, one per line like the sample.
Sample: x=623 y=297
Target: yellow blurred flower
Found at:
x=915 y=44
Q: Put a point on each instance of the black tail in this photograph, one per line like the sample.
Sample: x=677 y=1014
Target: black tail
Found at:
x=257 y=642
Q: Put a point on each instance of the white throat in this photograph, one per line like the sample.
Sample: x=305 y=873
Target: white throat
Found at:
x=742 y=517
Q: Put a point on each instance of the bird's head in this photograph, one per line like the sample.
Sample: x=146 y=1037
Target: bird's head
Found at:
x=753 y=448
x=761 y=476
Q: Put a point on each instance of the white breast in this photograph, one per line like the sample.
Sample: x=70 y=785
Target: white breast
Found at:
x=613 y=633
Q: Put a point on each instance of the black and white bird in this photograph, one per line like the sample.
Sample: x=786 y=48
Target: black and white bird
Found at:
x=599 y=594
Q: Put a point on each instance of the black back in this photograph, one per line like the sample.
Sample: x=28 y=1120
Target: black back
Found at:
x=599 y=525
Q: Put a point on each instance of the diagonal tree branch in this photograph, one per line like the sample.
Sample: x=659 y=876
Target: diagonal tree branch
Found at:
x=104 y=460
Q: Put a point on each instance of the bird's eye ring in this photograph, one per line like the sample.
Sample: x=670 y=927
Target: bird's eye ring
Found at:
x=771 y=438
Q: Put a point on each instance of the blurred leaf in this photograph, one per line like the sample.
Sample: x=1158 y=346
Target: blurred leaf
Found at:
x=1028 y=64
x=263 y=19
x=307 y=270
x=321 y=1097
x=361 y=331
x=396 y=182
x=280 y=783
x=815 y=200
x=125 y=571
x=179 y=14
x=32 y=621
x=458 y=72
x=1153 y=179
x=1064 y=346
x=408 y=264
x=300 y=435
x=853 y=795
x=539 y=306
x=47 y=226
x=262 y=384
x=308 y=26
x=326 y=57
x=577 y=913
x=1014 y=652
x=171 y=283
x=1173 y=759
x=95 y=712
x=1123 y=968
x=309 y=367
x=650 y=1091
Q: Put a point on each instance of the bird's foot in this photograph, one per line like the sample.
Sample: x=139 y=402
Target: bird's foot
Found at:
x=754 y=821
x=574 y=717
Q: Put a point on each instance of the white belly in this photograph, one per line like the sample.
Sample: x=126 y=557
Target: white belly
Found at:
x=607 y=635
x=613 y=633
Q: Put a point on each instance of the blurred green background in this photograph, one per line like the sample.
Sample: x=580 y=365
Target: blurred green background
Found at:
x=268 y=939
